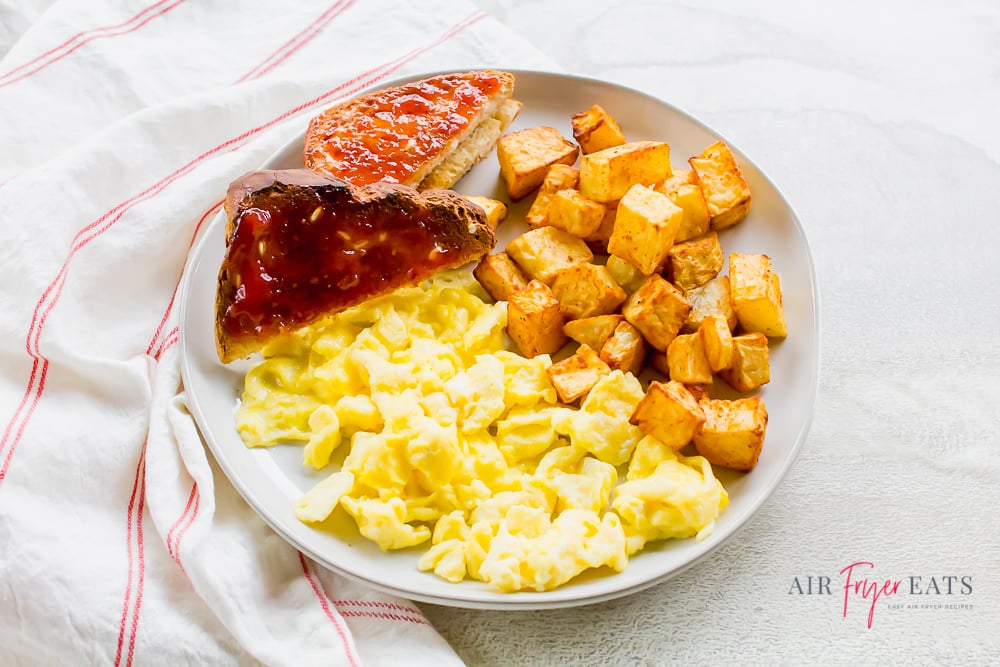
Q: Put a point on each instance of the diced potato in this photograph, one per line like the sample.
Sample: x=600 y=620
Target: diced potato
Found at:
x=733 y=433
x=697 y=391
x=595 y=130
x=496 y=211
x=626 y=275
x=669 y=413
x=722 y=184
x=598 y=241
x=683 y=190
x=571 y=212
x=756 y=294
x=534 y=321
x=625 y=349
x=645 y=226
x=608 y=174
x=694 y=263
x=593 y=331
x=686 y=360
x=712 y=298
x=587 y=290
x=558 y=177
x=696 y=218
x=657 y=309
x=750 y=367
x=500 y=276
x=658 y=360
x=718 y=341
x=544 y=252
x=576 y=375
x=677 y=178
x=526 y=156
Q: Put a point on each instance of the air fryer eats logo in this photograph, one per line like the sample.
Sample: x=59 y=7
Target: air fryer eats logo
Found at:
x=860 y=587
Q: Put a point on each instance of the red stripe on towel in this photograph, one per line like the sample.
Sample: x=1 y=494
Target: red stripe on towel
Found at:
x=85 y=37
x=138 y=485
x=374 y=603
x=170 y=339
x=140 y=474
x=142 y=563
x=173 y=296
x=298 y=41
x=81 y=35
x=321 y=596
x=347 y=613
x=180 y=520
x=184 y=529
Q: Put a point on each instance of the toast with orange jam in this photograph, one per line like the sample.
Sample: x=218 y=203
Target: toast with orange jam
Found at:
x=425 y=134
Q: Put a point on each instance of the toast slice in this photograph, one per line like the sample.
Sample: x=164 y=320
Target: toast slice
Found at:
x=425 y=134
x=302 y=245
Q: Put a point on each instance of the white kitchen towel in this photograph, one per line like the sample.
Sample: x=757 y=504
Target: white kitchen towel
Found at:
x=121 y=124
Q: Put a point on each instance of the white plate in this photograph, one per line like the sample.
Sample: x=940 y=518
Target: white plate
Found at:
x=271 y=479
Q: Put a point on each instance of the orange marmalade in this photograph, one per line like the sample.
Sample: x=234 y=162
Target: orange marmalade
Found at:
x=391 y=134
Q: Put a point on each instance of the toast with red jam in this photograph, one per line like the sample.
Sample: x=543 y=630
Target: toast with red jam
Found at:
x=302 y=245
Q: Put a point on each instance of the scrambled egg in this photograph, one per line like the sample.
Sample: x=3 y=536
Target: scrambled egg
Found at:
x=456 y=443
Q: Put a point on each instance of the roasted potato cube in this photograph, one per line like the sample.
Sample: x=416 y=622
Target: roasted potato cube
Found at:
x=684 y=191
x=694 y=263
x=733 y=433
x=712 y=298
x=598 y=241
x=546 y=251
x=678 y=177
x=698 y=391
x=645 y=226
x=576 y=375
x=625 y=349
x=726 y=193
x=500 y=276
x=669 y=413
x=571 y=212
x=756 y=294
x=534 y=321
x=718 y=341
x=526 y=156
x=657 y=309
x=558 y=177
x=626 y=275
x=696 y=219
x=496 y=211
x=750 y=367
x=608 y=174
x=587 y=290
x=595 y=130
x=686 y=360
x=658 y=360
x=593 y=331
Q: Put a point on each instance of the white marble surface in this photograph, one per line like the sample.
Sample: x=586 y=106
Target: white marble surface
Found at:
x=878 y=121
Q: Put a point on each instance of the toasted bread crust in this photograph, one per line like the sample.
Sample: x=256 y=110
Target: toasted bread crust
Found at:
x=407 y=236
x=402 y=134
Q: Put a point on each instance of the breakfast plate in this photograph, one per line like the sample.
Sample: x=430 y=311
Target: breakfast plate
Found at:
x=271 y=479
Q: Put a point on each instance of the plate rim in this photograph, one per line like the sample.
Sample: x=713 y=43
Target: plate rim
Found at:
x=524 y=600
